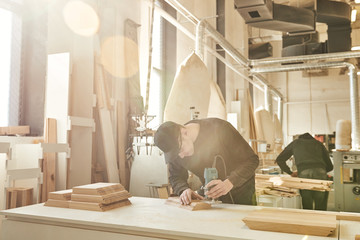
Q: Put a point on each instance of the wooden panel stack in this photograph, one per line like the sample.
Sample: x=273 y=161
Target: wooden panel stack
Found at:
x=59 y=199
x=193 y=206
x=18 y=197
x=307 y=223
x=99 y=197
x=286 y=186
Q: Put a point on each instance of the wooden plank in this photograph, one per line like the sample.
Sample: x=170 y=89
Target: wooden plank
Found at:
x=121 y=144
x=98 y=188
x=98 y=206
x=49 y=163
x=105 y=199
x=195 y=205
x=306 y=223
x=63 y=195
x=107 y=131
x=8 y=197
x=13 y=198
x=15 y=130
x=57 y=203
x=292 y=182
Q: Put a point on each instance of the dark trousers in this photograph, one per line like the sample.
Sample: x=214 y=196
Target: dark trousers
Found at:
x=311 y=198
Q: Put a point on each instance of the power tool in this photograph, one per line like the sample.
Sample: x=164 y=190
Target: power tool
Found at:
x=209 y=175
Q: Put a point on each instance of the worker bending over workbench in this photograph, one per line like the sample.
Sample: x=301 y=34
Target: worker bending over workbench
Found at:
x=312 y=161
x=207 y=143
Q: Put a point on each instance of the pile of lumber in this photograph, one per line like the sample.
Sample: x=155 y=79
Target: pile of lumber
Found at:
x=95 y=197
x=306 y=223
x=288 y=186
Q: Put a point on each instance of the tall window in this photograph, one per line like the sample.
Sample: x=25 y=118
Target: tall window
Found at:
x=156 y=74
x=5 y=63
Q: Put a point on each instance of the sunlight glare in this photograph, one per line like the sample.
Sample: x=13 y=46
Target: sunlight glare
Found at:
x=81 y=18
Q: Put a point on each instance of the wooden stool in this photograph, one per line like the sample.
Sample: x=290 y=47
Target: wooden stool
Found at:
x=159 y=190
x=18 y=197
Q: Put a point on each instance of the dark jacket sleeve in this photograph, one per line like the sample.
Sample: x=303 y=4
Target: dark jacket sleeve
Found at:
x=243 y=155
x=178 y=177
x=326 y=158
x=284 y=156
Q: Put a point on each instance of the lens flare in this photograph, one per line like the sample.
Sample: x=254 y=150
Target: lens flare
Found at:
x=119 y=56
x=81 y=18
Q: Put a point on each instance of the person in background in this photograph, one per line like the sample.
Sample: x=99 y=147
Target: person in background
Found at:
x=312 y=161
x=207 y=143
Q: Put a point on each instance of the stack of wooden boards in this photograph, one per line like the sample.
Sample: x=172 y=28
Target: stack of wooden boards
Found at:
x=307 y=223
x=287 y=186
x=96 y=197
x=193 y=206
x=15 y=130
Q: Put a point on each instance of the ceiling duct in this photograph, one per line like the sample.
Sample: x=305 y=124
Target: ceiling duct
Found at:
x=269 y=15
x=301 y=37
x=260 y=50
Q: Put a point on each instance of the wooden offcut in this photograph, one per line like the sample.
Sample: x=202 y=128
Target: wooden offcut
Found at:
x=193 y=206
x=98 y=188
x=63 y=195
x=105 y=199
x=59 y=199
x=57 y=203
x=306 y=223
x=98 y=206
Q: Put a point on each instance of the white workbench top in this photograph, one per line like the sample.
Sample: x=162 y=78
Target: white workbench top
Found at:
x=152 y=217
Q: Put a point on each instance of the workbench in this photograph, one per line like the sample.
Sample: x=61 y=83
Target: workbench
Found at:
x=145 y=219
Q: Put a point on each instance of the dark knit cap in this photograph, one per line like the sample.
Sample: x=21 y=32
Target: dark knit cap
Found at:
x=167 y=139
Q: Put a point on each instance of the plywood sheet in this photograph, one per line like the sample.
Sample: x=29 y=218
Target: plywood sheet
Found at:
x=291 y=222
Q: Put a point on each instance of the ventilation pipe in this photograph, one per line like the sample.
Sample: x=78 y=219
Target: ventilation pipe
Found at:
x=199 y=42
x=354 y=97
x=314 y=57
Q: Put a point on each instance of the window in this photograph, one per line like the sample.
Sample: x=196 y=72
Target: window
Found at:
x=5 y=63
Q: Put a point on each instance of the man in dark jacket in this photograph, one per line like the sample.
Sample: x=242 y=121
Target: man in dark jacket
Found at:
x=195 y=146
x=312 y=161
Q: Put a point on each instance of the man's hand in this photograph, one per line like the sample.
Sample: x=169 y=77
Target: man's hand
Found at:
x=218 y=188
x=294 y=174
x=187 y=195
